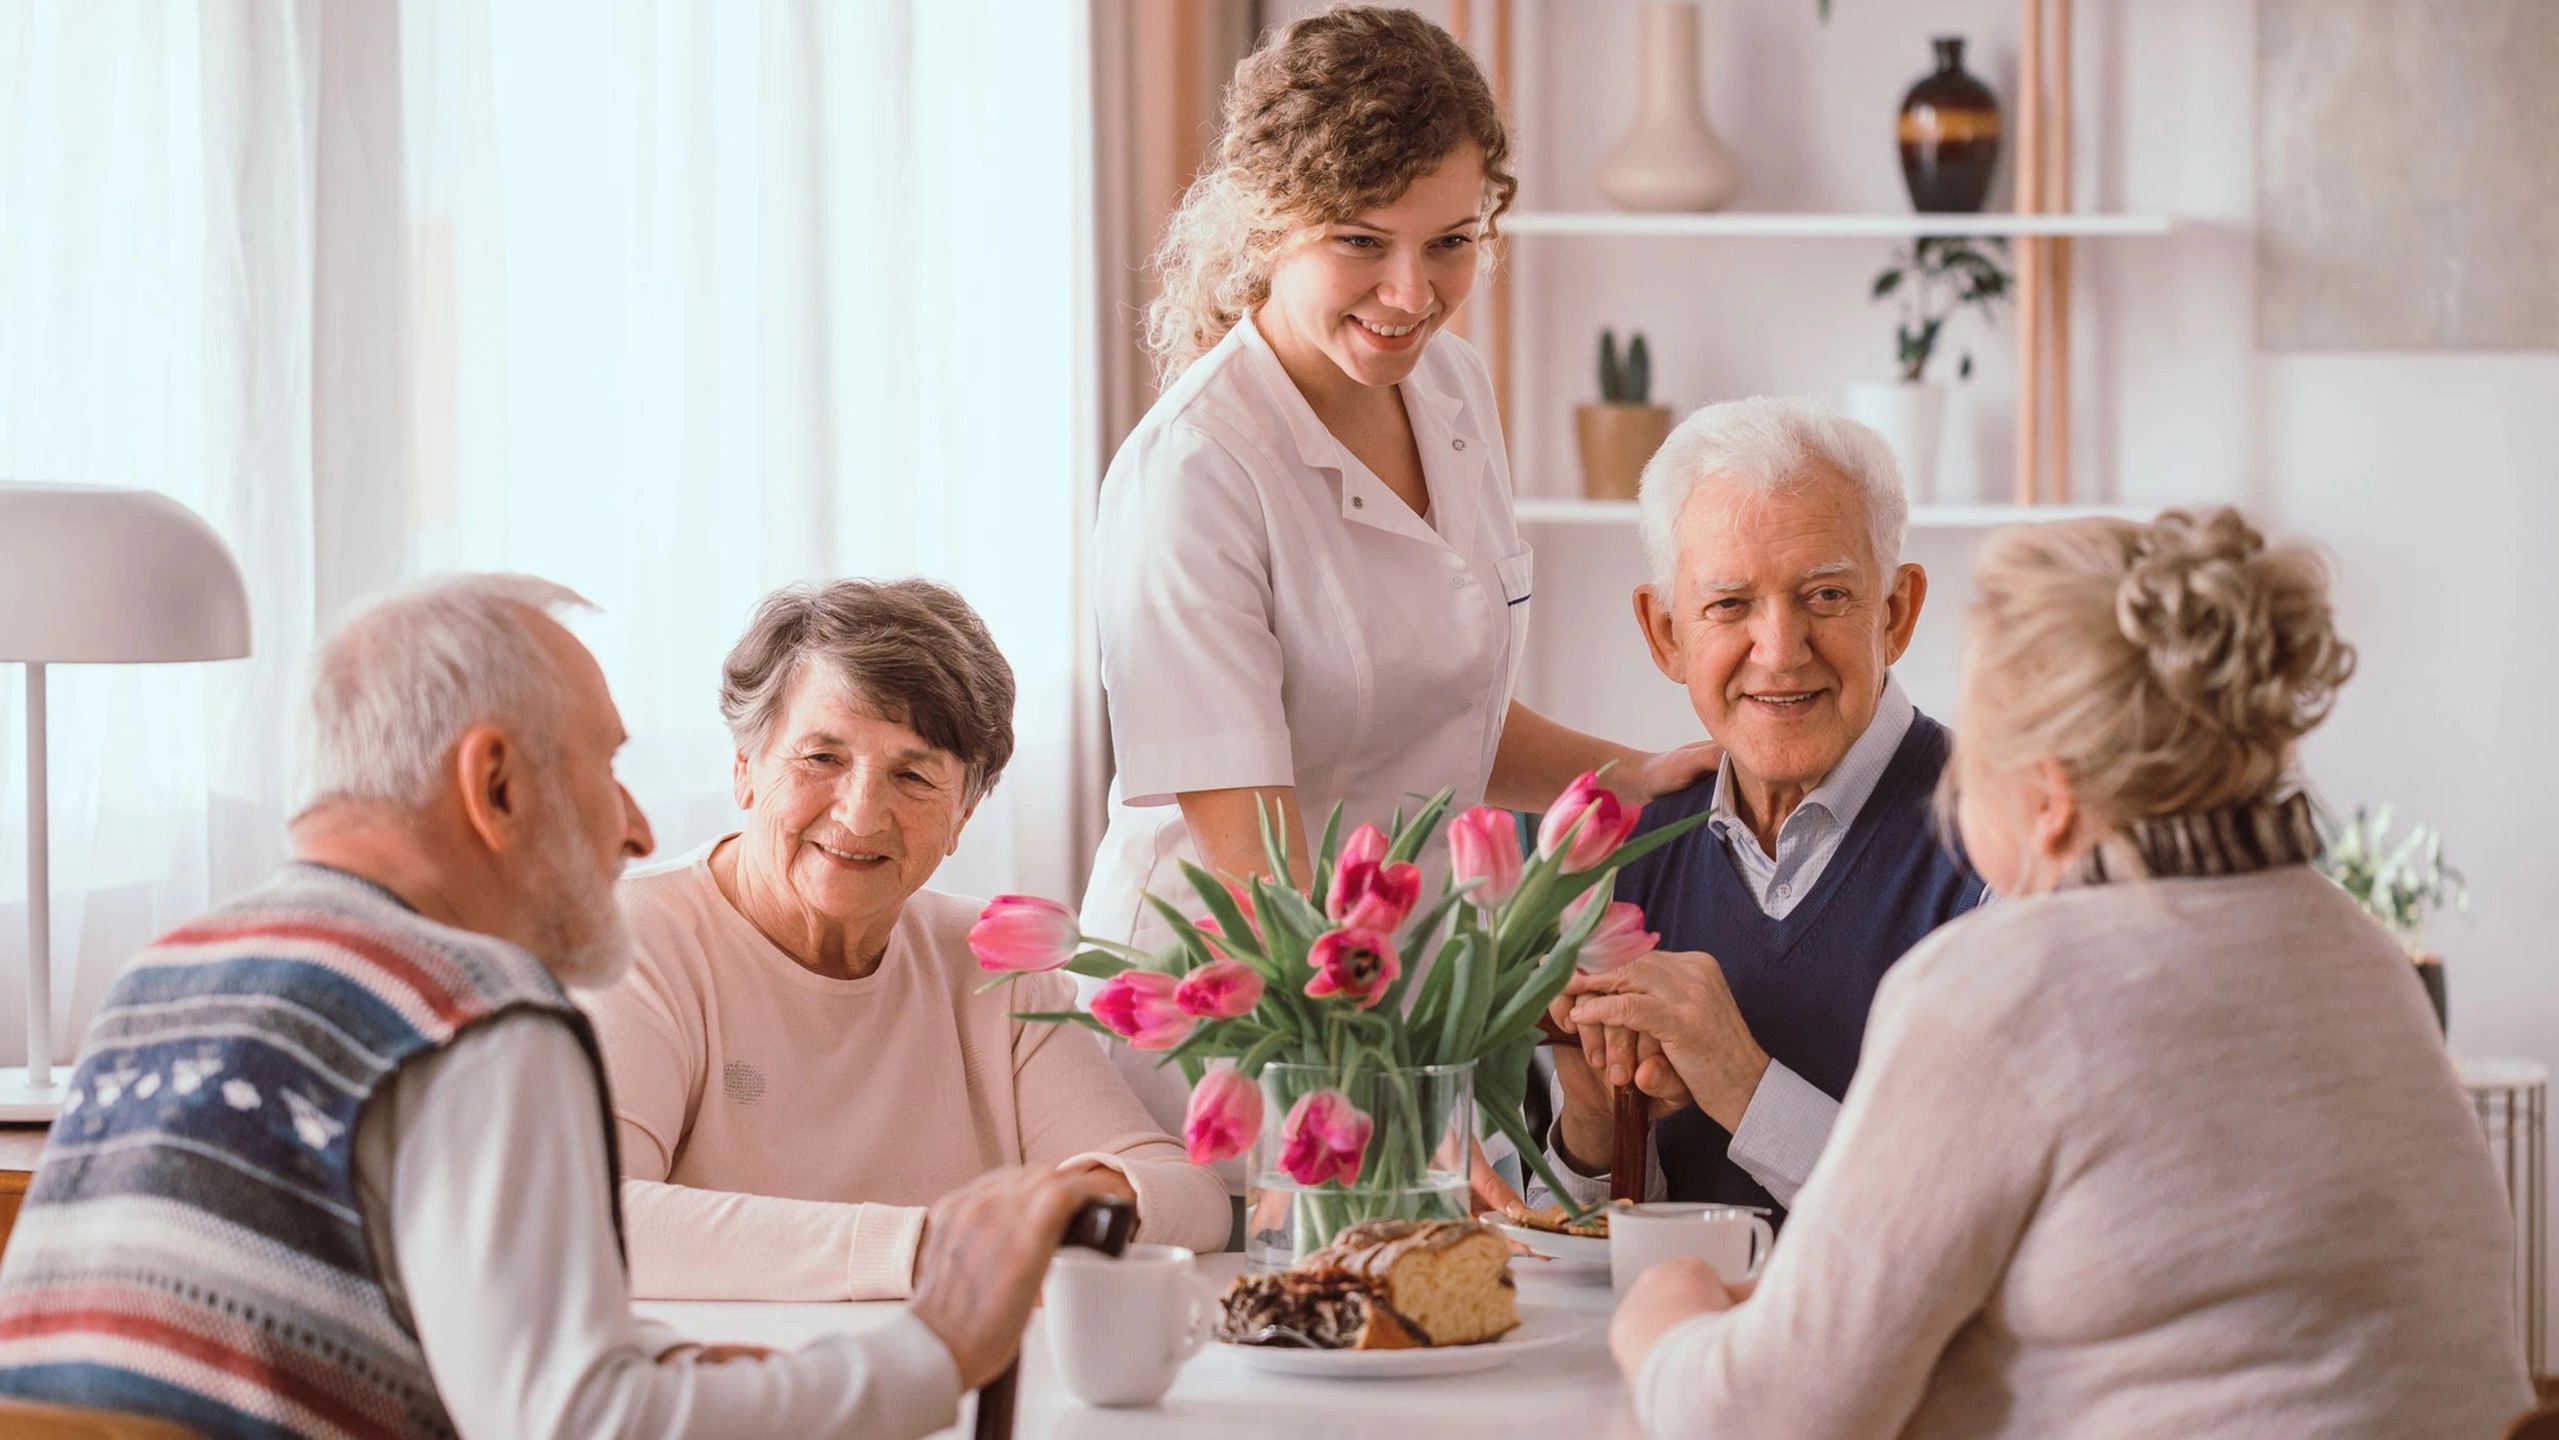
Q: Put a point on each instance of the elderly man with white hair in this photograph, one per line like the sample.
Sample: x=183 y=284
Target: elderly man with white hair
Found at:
x=1779 y=599
x=338 y=1158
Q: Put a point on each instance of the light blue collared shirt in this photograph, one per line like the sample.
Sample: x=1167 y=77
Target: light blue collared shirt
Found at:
x=1789 y=1118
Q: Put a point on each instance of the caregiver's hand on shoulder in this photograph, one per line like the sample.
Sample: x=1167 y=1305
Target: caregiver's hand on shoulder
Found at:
x=984 y=1253
x=1665 y=772
x=1680 y=1288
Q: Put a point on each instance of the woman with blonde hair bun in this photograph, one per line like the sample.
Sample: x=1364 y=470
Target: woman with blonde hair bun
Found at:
x=2164 y=1142
x=1309 y=585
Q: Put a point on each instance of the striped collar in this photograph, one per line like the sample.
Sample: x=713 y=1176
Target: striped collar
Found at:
x=2234 y=840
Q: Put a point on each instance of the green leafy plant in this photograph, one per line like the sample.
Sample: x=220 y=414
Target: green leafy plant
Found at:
x=1629 y=382
x=2397 y=884
x=1935 y=277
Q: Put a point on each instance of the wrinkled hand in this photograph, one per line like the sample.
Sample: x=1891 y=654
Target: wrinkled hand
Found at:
x=1487 y=1191
x=1588 y=1124
x=1677 y=1289
x=1680 y=1001
x=1664 y=772
x=986 y=1247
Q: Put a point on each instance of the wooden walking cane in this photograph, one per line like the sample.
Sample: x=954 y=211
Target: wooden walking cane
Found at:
x=1104 y=1225
x=1630 y=1153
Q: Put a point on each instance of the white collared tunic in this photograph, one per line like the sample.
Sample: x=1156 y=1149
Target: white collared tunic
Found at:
x=1272 y=614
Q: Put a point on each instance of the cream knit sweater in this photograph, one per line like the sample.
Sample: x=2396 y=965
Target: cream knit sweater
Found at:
x=2181 y=1157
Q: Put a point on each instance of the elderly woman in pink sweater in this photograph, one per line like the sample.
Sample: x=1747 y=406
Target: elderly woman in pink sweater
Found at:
x=800 y=1057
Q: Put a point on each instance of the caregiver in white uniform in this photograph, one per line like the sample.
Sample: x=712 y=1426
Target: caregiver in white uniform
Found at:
x=1309 y=584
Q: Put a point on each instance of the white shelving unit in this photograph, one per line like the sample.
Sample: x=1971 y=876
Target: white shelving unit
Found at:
x=1536 y=511
x=1838 y=227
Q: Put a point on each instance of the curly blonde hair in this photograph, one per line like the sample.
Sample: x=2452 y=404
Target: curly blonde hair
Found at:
x=2170 y=667
x=1333 y=116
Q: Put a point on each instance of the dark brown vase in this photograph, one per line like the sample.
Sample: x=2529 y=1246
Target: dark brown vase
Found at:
x=1949 y=135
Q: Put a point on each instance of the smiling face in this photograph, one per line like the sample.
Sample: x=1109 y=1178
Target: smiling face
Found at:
x=1357 y=299
x=848 y=813
x=1782 y=623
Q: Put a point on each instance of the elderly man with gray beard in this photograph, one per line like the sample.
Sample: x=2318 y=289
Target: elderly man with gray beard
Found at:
x=1779 y=600
x=337 y=1158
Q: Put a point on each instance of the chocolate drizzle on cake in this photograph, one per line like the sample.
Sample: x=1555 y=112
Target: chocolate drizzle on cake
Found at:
x=1383 y=1285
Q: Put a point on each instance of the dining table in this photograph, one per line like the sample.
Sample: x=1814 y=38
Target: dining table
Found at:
x=1569 y=1388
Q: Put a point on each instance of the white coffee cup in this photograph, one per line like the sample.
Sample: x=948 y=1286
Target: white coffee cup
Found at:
x=1732 y=1238
x=1121 y=1329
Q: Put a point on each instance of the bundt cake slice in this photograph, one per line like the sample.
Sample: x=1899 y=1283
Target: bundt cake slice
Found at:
x=1449 y=1281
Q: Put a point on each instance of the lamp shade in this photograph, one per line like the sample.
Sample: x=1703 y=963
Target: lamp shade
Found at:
x=90 y=573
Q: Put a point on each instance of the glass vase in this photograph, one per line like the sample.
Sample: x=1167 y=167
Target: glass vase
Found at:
x=1414 y=1167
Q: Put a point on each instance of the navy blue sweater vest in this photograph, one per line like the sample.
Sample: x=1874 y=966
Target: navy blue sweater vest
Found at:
x=1803 y=983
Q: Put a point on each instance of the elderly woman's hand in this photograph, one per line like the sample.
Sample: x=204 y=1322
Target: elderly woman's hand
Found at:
x=1680 y=1288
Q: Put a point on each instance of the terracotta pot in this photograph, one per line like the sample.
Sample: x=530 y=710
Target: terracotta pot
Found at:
x=1616 y=441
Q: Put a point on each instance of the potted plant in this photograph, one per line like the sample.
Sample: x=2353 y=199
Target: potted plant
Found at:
x=2398 y=885
x=1364 y=1034
x=1623 y=430
x=1934 y=279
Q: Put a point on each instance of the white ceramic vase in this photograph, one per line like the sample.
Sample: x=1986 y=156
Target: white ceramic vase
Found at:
x=1671 y=159
x=1911 y=416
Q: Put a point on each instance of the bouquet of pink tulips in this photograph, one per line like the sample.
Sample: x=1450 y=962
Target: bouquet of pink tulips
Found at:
x=1330 y=982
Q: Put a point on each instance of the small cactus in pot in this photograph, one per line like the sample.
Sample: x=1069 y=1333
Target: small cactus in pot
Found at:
x=1623 y=430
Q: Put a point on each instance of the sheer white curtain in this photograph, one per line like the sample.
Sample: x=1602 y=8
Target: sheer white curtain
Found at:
x=671 y=300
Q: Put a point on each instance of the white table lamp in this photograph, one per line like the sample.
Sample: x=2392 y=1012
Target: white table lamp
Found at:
x=92 y=575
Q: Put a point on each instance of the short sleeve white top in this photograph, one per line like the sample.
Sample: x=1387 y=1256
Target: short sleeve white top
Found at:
x=1272 y=614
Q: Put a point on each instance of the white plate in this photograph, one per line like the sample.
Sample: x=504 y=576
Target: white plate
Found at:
x=1562 y=1252
x=1539 y=1328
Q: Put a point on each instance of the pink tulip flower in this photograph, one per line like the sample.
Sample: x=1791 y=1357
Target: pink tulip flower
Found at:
x=1370 y=896
x=1606 y=824
x=1357 y=965
x=1323 y=1138
x=1024 y=934
x=1365 y=843
x=1619 y=940
x=1138 y=1006
x=1225 y=1117
x=1219 y=991
x=1483 y=846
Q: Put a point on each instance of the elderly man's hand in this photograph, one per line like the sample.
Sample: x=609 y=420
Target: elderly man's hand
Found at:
x=986 y=1247
x=1680 y=1288
x=1588 y=1125
x=1680 y=1001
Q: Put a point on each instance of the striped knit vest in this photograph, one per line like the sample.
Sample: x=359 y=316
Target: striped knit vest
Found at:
x=193 y=1246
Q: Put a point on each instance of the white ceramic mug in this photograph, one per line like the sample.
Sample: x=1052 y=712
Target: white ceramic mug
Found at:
x=1732 y=1238
x=1121 y=1329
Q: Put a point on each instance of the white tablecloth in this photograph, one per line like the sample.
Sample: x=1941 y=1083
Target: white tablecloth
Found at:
x=1569 y=1389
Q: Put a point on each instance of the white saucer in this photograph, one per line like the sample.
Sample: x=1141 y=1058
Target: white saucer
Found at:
x=1539 y=1328
x=1564 y=1253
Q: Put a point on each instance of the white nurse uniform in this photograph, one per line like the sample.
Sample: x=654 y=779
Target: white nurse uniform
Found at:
x=1272 y=614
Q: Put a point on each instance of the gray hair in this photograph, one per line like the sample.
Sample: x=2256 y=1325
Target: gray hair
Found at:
x=395 y=685
x=1767 y=444
x=911 y=650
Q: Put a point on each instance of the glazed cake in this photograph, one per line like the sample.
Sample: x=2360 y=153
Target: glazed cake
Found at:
x=1385 y=1285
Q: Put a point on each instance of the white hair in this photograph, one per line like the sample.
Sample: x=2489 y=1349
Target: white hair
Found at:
x=1769 y=445
x=396 y=684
